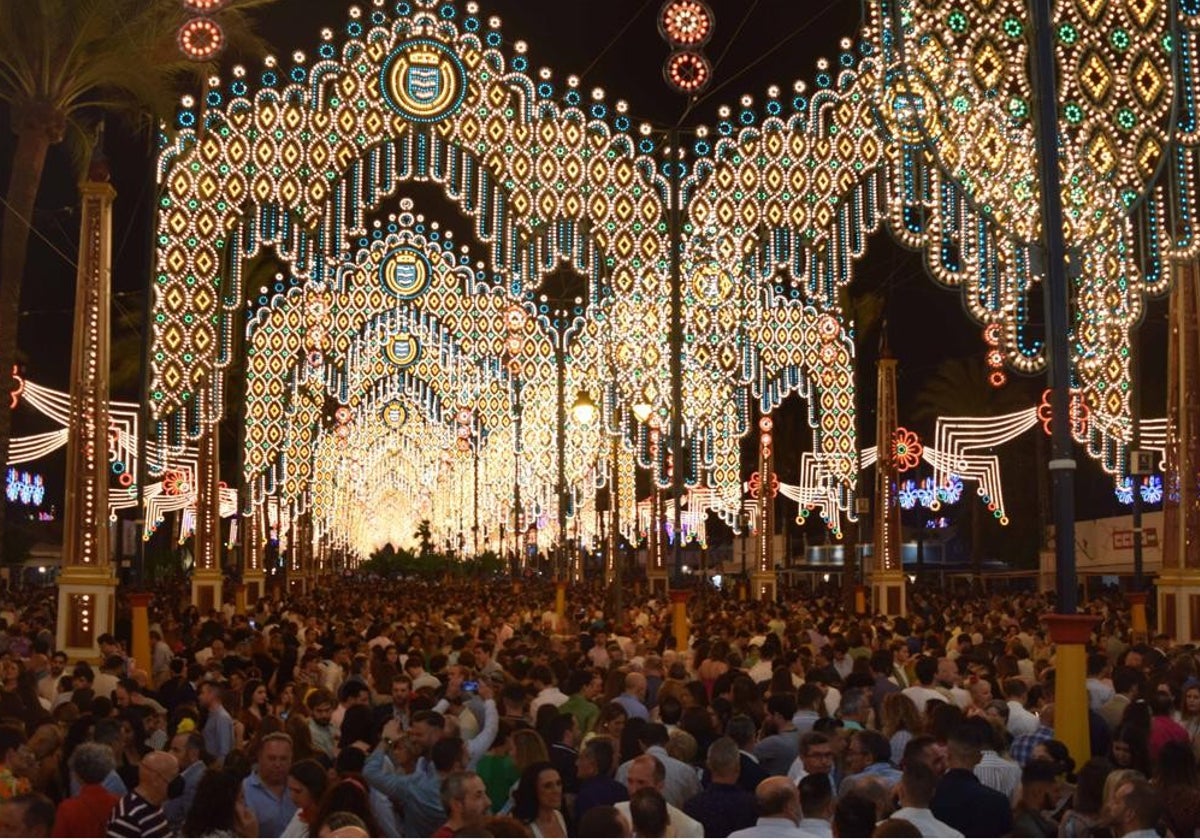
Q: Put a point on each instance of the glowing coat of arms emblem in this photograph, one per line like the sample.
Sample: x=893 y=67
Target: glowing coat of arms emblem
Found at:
x=423 y=80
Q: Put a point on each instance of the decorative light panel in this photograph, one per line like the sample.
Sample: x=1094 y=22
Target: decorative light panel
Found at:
x=923 y=125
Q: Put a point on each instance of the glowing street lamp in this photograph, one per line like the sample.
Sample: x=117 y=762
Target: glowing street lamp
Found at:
x=584 y=410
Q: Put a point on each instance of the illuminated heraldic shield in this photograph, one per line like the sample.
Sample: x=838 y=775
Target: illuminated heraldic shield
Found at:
x=423 y=80
x=405 y=273
x=394 y=414
x=402 y=350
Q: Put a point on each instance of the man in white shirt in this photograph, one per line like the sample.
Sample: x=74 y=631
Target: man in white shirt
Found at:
x=926 y=672
x=680 y=780
x=816 y=805
x=414 y=666
x=1099 y=685
x=778 y=804
x=948 y=679
x=548 y=691
x=646 y=771
x=1021 y=721
x=915 y=792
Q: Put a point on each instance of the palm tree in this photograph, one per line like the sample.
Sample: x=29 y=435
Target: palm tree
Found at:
x=424 y=535
x=64 y=64
x=959 y=388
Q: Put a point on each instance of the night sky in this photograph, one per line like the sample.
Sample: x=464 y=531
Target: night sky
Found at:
x=614 y=45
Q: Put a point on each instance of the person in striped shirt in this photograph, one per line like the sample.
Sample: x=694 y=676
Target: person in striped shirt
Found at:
x=139 y=813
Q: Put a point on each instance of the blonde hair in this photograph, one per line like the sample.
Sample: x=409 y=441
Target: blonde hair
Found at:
x=528 y=748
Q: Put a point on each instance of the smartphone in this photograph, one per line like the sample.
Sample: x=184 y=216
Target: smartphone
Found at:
x=470 y=685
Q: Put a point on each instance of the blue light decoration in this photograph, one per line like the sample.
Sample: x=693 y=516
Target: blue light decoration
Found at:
x=1150 y=489
x=27 y=488
x=926 y=495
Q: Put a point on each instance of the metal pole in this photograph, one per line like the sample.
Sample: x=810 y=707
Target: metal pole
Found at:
x=143 y=413
x=614 y=526
x=1139 y=583
x=475 y=496
x=1062 y=462
x=676 y=352
x=518 y=531
x=562 y=470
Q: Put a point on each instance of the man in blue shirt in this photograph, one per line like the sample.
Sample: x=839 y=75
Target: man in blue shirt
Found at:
x=265 y=789
x=633 y=700
x=869 y=754
x=418 y=793
x=218 y=728
x=724 y=807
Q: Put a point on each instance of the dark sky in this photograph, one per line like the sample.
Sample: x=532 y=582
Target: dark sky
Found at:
x=613 y=45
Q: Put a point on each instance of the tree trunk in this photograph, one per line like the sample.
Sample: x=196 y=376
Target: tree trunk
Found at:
x=28 y=162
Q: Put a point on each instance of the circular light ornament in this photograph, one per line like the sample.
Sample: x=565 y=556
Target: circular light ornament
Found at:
x=402 y=350
x=686 y=23
x=201 y=39
x=204 y=7
x=394 y=414
x=405 y=273
x=423 y=80
x=687 y=72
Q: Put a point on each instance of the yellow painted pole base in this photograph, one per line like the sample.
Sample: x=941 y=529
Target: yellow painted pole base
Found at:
x=1070 y=634
x=560 y=598
x=1137 y=615
x=679 y=599
x=140 y=643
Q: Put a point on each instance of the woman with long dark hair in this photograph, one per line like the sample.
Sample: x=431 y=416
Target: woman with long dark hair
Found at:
x=349 y=794
x=255 y=707
x=538 y=800
x=219 y=809
x=306 y=784
x=1176 y=778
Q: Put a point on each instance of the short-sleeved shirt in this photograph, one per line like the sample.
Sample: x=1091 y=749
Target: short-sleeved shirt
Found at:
x=135 y=816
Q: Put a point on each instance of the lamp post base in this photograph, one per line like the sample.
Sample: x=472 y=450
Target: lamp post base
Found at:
x=256 y=587
x=1070 y=634
x=762 y=586
x=1137 y=616
x=207 y=590
x=85 y=610
x=560 y=599
x=889 y=592
x=658 y=583
x=1179 y=604
x=139 y=644
x=679 y=599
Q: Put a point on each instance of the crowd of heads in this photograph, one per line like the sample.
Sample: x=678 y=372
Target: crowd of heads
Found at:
x=472 y=708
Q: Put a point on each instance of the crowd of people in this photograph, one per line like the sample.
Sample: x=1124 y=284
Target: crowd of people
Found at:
x=438 y=709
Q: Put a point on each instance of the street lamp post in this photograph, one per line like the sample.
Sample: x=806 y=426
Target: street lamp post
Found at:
x=561 y=564
x=1068 y=630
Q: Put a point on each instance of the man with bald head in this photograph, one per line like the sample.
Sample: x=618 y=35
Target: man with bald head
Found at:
x=633 y=701
x=778 y=804
x=139 y=813
x=646 y=771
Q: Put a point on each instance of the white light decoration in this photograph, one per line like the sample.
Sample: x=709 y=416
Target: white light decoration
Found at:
x=921 y=126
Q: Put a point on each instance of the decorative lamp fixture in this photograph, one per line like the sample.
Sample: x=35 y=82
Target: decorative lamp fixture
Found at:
x=584 y=410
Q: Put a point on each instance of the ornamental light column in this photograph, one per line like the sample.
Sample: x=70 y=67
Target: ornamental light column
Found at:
x=686 y=26
x=87 y=585
x=201 y=40
x=887 y=573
